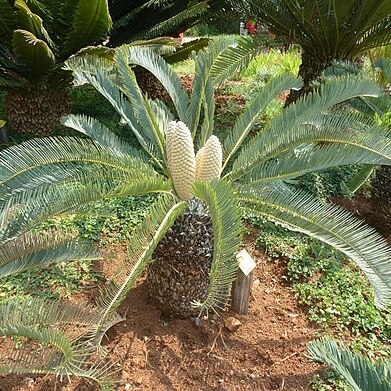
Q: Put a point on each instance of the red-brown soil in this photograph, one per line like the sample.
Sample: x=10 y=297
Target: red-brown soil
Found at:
x=267 y=351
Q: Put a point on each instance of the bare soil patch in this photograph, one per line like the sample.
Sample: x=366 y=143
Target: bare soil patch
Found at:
x=267 y=351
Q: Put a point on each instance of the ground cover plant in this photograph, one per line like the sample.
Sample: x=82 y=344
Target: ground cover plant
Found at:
x=257 y=175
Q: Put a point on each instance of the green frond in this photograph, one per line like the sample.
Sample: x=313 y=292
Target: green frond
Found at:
x=43 y=326
x=305 y=122
x=357 y=179
x=333 y=225
x=91 y=127
x=359 y=371
x=246 y=120
x=72 y=177
x=207 y=126
x=91 y=22
x=227 y=233
x=95 y=59
x=147 y=58
x=186 y=49
x=23 y=159
x=211 y=64
x=106 y=86
x=102 y=52
x=32 y=23
x=385 y=65
x=194 y=10
x=141 y=106
x=232 y=60
x=34 y=53
x=25 y=209
x=312 y=158
x=140 y=249
x=36 y=249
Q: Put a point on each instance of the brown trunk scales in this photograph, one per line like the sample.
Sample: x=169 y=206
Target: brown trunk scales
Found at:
x=36 y=112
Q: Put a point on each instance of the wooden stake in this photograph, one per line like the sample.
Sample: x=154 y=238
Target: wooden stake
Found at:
x=241 y=289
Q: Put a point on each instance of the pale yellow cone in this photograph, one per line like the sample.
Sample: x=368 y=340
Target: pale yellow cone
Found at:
x=199 y=160
x=180 y=158
x=211 y=160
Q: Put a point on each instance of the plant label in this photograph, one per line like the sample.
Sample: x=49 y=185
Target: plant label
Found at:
x=246 y=263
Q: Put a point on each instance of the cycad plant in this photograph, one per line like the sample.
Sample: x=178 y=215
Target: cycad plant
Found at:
x=190 y=237
x=326 y=30
x=361 y=373
x=147 y=19
x=36 y=37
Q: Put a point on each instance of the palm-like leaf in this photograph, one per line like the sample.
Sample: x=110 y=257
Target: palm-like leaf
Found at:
x=147 y=58
x=359 y=371
x=52 y=328
x=325 y=26
x=91 y=22
x=35 y=249
x=146 y=19
x=140 y=250
x=303 y=122
x=246 y=121
x=33 y=52
x=227 y=231
x=333 y=225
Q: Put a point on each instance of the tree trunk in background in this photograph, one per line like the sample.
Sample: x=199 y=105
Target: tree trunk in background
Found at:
x=310 y=69
x=381 y=197
x=150 y=85
x=36 y=112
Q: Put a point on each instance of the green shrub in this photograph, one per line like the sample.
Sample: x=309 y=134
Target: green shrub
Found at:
x=333 y=290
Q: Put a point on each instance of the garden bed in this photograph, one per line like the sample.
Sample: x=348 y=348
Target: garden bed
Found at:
x=266 y=352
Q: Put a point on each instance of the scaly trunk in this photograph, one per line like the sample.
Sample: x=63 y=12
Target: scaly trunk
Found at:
x=381 y=197
x=179 y=274
x=150 y=85
x=310 y=69
x=36 y=112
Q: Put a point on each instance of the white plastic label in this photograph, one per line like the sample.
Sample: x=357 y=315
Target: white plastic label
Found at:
x=246 y=263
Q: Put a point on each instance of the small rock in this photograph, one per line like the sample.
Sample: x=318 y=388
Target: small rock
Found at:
x=127 y=387
x=252 y=376
x=256 y=284
x=197 y=321
x=139 y=381
x=267 y=291
x=221 y=381
x=30 y=382
x=232 y=324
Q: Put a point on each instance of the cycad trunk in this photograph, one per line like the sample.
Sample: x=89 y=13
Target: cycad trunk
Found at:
x=381 y=198
x=36 y=112
x=150 y=85
x=180 y=272
x=310 y=69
